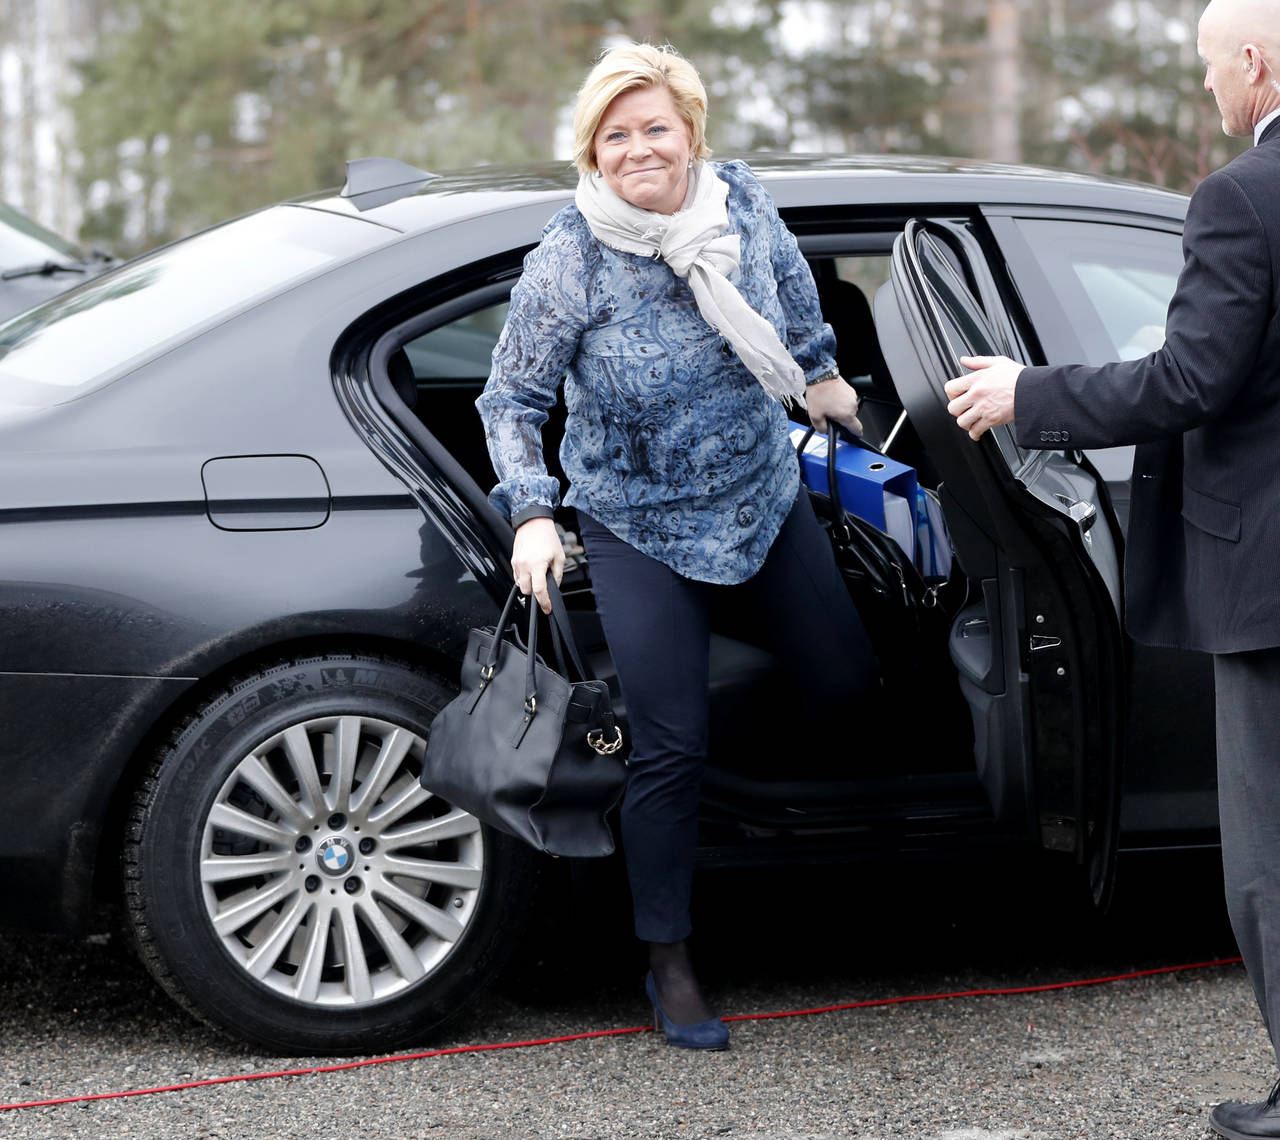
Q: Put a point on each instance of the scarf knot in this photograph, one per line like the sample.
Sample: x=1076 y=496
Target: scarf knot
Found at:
x=693 y=242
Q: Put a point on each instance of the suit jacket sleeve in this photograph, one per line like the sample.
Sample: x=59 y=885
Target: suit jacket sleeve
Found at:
x=1217 y=320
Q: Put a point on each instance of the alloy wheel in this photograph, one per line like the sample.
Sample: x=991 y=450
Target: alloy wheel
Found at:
x=328 y=873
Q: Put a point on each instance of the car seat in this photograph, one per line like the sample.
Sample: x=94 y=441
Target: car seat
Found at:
x=846 y=310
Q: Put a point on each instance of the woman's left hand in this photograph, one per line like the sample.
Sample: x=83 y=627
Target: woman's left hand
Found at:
x=833 y=399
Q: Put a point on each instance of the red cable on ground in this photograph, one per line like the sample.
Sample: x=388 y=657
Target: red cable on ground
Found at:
x=1010 y=992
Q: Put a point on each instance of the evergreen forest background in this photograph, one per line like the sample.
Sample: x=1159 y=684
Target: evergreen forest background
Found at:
x=169 y=115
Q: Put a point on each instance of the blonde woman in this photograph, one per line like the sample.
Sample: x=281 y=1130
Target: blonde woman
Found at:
x=683 y=321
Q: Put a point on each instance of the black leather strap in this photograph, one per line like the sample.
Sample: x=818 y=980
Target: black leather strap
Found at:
x=569 y=661
x=562 y=634
x=491 y=658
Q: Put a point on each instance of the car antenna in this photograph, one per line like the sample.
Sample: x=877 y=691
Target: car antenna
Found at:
x=374 y=182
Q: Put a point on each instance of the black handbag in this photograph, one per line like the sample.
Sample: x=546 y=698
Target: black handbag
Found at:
x=524 y=748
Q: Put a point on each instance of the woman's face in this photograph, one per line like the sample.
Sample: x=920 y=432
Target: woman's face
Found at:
x=643 y=150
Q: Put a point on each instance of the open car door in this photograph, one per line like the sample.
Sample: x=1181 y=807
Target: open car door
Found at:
x=1039 y=645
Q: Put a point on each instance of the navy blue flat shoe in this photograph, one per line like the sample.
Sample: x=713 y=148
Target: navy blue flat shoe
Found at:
x=712 y=1034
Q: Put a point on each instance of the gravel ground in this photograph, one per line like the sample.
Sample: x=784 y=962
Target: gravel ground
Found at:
x=1135 y=1059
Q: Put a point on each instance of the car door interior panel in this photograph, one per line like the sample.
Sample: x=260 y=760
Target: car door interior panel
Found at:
x=1059 y=580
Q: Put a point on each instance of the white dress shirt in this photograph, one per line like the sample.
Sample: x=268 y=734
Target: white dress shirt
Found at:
x=1262 y=126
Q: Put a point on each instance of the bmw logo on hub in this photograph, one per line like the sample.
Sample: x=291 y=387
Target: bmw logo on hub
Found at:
x=335 y=856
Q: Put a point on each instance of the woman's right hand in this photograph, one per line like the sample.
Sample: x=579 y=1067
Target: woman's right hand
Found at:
x=833 y=399
x=537 y=549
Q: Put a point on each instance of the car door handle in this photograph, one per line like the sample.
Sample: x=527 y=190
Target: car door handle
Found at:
x=1081 y=511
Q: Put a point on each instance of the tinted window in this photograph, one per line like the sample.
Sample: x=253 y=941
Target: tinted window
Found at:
x=460 y=350
x=81 y=340
x=1113 y=281
x=867 y=271
x=966 y=326
x=450 y=364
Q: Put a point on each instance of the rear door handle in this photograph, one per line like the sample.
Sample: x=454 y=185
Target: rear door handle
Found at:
x=1081 y=511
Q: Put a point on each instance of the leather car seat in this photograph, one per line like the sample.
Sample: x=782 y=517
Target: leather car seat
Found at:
x=846 y=310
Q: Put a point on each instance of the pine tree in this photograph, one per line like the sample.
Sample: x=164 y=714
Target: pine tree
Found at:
x=192 y=112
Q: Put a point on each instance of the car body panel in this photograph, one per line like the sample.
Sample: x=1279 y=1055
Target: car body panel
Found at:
x=120 y=591
x=61 y=779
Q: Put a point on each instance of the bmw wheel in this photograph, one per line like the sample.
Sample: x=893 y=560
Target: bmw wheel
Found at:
x=289 y=880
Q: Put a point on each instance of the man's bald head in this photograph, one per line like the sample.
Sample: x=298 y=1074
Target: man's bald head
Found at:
x=1245 y=21
x=1238 y=41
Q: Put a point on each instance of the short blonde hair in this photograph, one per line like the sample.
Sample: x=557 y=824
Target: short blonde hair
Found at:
x=634 y=67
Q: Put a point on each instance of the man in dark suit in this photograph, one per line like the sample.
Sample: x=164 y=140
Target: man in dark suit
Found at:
x=1203 y=563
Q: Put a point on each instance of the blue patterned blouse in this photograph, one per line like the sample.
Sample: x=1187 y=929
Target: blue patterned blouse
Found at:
x=670 y=442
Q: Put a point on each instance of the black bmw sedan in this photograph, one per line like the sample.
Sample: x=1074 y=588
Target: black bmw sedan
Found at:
x=244 y=535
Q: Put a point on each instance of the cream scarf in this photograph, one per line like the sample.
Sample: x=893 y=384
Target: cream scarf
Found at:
x=694 y=244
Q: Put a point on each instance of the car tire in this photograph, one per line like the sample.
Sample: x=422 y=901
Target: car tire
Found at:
x=287 y=879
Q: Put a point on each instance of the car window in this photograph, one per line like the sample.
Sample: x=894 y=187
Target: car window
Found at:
x=450 y=364
x=967 y=327
x=868 y=272
x=1113 y=282
x=459 y=351
x=80 y=340
x=952 y=317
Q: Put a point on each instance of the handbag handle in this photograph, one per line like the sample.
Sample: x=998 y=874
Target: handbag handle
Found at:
x=531 y=656
x=606 y=739
x=562 y=635
x=491 y=657
x=833 y=484
x=564 y=645
x=490 y=664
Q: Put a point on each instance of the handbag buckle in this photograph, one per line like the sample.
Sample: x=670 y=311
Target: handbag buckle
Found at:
x=530 y=705
x=597 y=741
x=486 y=673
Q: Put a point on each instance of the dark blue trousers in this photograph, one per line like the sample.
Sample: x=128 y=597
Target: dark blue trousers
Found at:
x=658 y=626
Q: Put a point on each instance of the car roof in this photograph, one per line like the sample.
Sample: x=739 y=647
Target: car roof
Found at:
x=795 y=181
